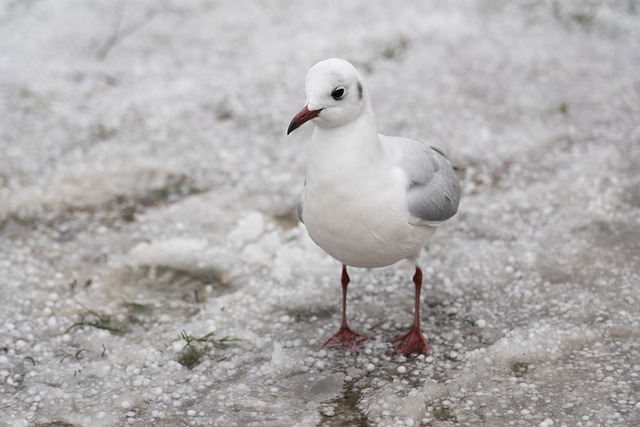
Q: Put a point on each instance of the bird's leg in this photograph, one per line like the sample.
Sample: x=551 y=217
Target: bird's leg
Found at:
x=345 y=337
x=413 y=341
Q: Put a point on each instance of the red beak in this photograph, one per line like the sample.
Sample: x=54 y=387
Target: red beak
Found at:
x=301 y=118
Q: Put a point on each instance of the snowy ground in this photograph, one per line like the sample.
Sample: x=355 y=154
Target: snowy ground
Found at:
x=152 y=268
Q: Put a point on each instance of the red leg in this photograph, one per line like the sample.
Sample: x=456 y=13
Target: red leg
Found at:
x=345 y=337
x=413 y=341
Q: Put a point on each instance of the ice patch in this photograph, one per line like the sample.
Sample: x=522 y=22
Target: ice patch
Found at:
x=540 y=342
x=249 y=228
x=84 y=185
x=176 y=252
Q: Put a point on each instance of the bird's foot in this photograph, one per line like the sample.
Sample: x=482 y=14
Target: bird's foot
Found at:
x=346 y=338
x=411 y=342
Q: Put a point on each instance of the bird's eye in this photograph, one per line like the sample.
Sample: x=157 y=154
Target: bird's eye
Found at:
x=338 y=93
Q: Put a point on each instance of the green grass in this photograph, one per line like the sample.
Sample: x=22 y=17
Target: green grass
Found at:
x=99 y=321
x=563 y=108
x=138 y=308
x=196 y=347
x=296 y=315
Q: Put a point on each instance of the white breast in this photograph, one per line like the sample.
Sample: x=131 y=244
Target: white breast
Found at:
x=355 y=207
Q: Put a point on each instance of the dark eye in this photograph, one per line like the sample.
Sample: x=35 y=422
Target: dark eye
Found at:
x=337 y=93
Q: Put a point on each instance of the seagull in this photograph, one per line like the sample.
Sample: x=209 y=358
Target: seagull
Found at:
x=369 y=200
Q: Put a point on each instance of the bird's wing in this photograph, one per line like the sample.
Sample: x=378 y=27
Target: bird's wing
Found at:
x=434 y=191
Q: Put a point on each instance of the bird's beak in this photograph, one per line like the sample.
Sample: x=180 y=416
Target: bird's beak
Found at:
x=301 y=118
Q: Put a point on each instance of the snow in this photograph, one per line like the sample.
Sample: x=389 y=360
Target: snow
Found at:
x=153 y=269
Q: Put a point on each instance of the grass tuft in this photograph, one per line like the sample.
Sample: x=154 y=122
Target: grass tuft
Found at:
x=195 y=347
x=139 y=308
x=98 y=321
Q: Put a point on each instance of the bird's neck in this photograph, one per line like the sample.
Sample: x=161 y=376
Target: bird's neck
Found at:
x=345 y=150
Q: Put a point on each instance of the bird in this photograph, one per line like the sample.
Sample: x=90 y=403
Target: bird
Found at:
x=369 y=200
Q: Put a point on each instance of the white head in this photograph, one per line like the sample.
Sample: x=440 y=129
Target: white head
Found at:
x=336 y=95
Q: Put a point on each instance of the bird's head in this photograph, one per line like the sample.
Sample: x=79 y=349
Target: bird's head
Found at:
x=336 y=95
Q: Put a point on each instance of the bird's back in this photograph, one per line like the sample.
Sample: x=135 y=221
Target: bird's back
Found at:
x=434 y=190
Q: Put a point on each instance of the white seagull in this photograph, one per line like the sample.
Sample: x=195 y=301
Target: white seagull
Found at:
x=369 y=200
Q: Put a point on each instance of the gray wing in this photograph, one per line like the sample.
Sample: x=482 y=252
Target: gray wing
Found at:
x=434 y=190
